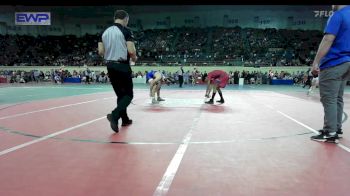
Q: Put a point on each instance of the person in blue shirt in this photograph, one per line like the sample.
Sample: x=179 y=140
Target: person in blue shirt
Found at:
x=155 y=79
x=332 y=63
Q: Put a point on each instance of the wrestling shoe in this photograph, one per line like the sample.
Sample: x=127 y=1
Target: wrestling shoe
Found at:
x=154 y=101
x=210 y=102
x=221 y=101
x=160 y=99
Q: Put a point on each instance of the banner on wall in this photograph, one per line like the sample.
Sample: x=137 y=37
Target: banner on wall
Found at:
x=33 y=18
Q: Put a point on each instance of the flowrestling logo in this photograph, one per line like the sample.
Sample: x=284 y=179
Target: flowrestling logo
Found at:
x=33 y=18
x=323 y=13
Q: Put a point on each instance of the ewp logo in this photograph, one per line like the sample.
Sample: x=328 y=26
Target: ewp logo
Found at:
x=33 y=18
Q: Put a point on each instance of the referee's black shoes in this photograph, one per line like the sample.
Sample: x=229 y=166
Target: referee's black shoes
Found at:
x=127 y=123
x=114 y=124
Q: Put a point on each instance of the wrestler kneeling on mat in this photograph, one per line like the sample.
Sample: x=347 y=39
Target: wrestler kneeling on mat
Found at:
x=155 y=80
x=216 y=80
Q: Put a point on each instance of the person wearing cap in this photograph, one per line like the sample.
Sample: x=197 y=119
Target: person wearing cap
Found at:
x=155 y=79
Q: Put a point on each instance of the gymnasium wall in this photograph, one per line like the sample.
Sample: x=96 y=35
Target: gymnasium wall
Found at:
x=281 y=17
x=80 y=20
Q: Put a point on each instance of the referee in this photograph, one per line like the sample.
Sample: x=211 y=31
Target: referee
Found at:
x=181 y=77
x=118 y=50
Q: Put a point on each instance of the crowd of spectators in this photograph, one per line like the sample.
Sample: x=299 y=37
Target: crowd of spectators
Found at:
x=191 y=77
x=250 y=47
x=54 y=75
x=24 y=50
x=232 y=46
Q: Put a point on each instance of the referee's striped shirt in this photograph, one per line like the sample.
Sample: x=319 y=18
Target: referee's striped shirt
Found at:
x=114 y=41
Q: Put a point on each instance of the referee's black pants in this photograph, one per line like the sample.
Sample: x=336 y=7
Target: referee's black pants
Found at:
x=181 y=80
x=121 y=81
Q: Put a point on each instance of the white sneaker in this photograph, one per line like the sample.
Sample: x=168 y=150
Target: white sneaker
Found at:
x=154 y=101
